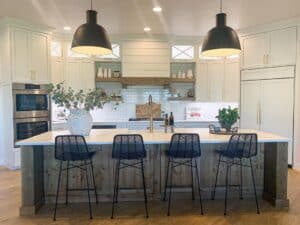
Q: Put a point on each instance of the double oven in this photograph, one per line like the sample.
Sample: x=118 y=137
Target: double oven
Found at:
x=32 y=110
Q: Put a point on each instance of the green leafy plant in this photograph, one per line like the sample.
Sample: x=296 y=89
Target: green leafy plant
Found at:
x=227 y=117
x=70 y=99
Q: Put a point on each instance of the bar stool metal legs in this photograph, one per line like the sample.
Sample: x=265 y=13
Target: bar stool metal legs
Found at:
x=254 y=187
x=229 y=163
x=116 y=185
x=57 y=190
x=84 y=167
x=171 y=166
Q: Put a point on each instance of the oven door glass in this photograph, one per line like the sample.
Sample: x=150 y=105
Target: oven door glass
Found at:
x=31 y=102
x=28 y=129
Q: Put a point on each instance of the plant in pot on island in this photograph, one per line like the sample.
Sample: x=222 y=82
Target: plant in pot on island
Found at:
x=79 y=103
x=227 y=117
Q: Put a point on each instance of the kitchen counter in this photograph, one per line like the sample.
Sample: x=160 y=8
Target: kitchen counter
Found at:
x=40 y=169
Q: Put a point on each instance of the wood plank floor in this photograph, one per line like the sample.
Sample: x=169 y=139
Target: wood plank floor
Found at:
x=183 y=212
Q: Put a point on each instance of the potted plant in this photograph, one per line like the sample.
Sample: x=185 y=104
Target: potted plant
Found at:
x=79 y=103
x=227 y=117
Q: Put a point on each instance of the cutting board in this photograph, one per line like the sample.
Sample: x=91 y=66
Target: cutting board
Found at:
x=143 y=110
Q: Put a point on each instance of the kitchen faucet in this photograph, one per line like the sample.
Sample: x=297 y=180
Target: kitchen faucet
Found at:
x=150 y=113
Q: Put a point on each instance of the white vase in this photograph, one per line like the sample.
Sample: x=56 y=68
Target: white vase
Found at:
x=189 y=74
x=100 y=72
x=80 y=122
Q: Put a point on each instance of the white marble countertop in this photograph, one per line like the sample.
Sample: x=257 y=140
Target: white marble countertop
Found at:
x=102 y=137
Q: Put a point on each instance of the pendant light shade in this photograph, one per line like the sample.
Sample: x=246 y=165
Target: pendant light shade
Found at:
x=221 y=40
x=91 y=38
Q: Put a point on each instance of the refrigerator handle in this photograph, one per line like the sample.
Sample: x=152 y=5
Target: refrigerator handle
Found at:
x=257 y=113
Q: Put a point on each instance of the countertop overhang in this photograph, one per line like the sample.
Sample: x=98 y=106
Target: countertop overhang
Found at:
x=105 y=137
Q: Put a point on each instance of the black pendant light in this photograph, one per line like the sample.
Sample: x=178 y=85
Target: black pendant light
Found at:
x=91 y=38
x=221 y=40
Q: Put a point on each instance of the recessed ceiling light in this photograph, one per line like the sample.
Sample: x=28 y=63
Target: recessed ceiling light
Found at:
x=157 y=9
x=67 y=28
x=147 y=29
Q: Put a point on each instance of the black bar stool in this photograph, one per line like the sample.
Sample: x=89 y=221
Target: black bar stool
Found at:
x=240 y=146
x=127 y=148
x=183 y=150
x=72 y=149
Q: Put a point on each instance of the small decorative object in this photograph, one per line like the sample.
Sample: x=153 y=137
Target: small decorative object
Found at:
x=189 y=74
x=227 y=117
x=183 y=75
x=105 y=73
x=190 y=93
x=174 y=75
x=80 y=104
x=179 y=74
x=109 y=73
x=116 y=74
x=100 y=72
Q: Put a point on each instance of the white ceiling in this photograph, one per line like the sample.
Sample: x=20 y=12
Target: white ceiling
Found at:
x=179 y=17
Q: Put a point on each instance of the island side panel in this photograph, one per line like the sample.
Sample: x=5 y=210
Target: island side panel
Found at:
x=276 y=174
x=32 y=179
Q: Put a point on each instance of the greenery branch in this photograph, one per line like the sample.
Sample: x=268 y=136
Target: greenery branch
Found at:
x=70 y=99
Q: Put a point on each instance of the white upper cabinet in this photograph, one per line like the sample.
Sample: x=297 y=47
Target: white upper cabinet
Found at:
x=231 y=91
x=215 y=73
x=30 y=56
x=146 y=59
x=20 y=56
x=254 y=50
x=80 y=75
x=283 y=47
x=39 y=57
x=275 y=48
x=218 y=80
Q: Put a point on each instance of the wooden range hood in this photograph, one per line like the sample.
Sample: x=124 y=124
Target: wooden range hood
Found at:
x=139 y=81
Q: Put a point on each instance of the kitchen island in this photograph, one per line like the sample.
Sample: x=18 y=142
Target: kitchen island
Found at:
x=40 y=169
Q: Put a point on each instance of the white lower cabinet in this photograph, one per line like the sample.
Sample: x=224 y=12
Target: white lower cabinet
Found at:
x=268 y=105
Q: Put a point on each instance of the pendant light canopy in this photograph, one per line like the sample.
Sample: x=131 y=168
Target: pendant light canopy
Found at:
x=221 y=40
x=91 y=38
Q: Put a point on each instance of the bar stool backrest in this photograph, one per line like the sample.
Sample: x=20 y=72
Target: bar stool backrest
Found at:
x=128 y=146
x=70 y=147
x=185 y=145
x=243 y=145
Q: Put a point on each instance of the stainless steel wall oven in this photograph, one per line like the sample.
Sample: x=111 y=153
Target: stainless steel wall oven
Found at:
x=32 y=110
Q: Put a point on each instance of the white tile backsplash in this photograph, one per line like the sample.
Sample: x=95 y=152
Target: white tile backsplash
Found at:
x=133 y=95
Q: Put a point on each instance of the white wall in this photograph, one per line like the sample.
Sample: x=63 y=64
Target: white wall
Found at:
x=297 y=108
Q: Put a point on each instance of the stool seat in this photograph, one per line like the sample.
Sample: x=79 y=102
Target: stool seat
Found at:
x=230 y=153
x=80 y=156
x=184 y=154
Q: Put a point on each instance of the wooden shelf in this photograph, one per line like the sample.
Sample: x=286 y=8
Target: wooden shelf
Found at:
x=181 y=99
x=113 y=79
x=181 y=80
x=145 y=80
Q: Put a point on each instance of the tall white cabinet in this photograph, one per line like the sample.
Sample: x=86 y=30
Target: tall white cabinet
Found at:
x=267 y=102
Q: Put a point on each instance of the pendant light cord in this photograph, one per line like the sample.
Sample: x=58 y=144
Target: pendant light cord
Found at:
x=91 y=4
x=221 y=6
